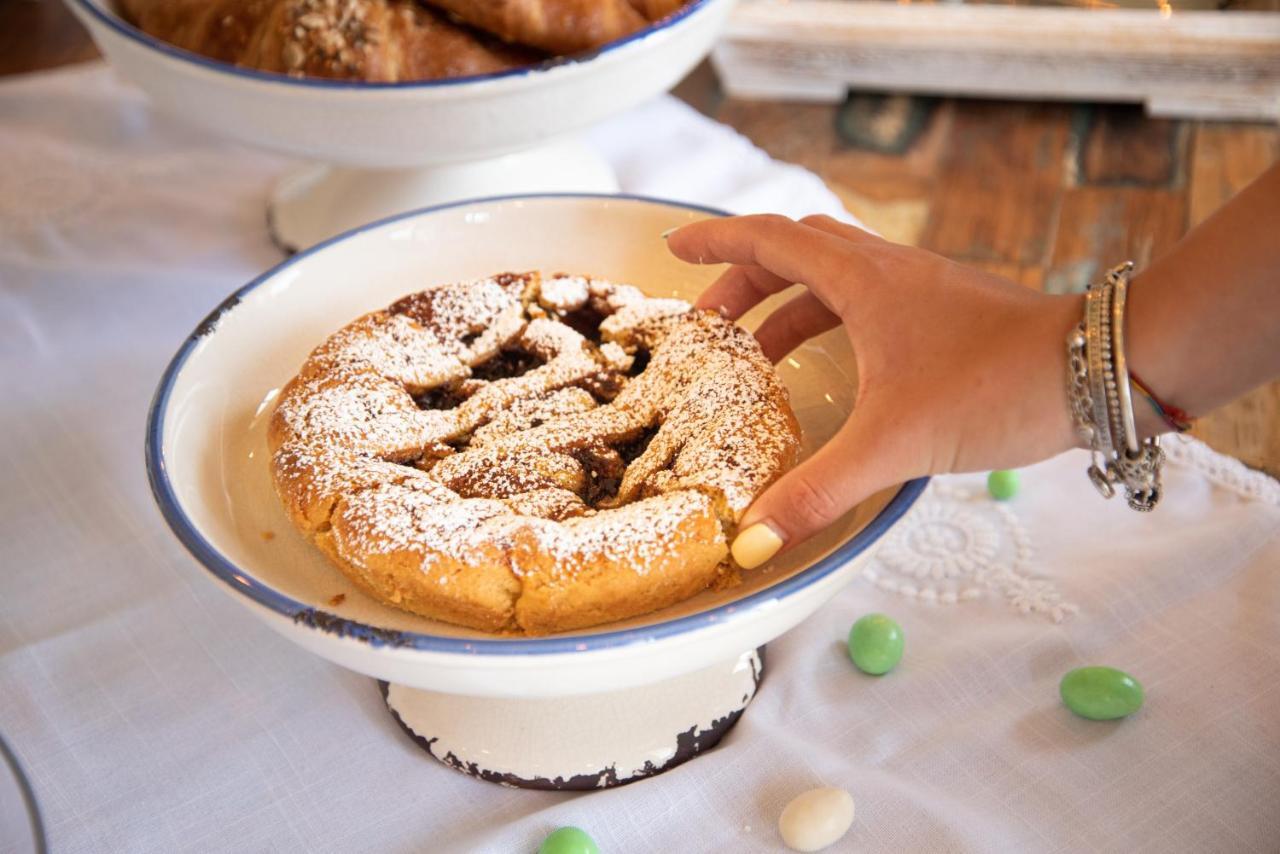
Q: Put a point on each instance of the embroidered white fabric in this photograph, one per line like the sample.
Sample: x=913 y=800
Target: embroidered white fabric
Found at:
x=959 y=545
x=155 y=714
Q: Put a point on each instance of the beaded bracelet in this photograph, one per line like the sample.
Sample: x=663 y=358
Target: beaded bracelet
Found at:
x=1098 y=393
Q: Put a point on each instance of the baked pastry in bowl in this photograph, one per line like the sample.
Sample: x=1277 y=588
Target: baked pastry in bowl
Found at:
x=374 y=40
x=531 y=452
x=387 y=41
x=209 y=452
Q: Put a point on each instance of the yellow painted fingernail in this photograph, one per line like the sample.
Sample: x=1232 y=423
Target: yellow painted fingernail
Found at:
x=755 y=545
x=670 y=231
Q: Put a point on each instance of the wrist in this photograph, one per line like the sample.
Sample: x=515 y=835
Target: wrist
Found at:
x=1047 y=397
x=1167 y=373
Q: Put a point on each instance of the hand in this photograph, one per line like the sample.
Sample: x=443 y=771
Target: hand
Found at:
x=958 y=370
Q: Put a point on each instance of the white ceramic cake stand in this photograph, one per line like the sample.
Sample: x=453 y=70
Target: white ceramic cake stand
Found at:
x=382 y=149
x=596 y=707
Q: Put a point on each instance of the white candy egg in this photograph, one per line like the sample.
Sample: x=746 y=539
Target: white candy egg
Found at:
x=816 y=819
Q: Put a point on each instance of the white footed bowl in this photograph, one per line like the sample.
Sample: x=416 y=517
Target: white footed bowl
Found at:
x=397 y=125
x=207 y=454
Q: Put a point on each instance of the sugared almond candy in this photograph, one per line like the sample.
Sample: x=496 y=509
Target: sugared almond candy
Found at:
x=816 y=819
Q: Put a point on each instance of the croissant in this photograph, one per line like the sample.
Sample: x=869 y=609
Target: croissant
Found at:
x=656 y=10
x=375 y=40
x=557 y=26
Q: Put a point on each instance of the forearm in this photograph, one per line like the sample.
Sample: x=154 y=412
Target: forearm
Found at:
x=1204 y=320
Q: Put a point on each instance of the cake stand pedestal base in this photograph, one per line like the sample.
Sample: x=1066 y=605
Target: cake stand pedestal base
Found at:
x=312 y=203
x=590 y=741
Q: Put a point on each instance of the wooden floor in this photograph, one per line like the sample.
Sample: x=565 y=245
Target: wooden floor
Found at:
x=1046 y=194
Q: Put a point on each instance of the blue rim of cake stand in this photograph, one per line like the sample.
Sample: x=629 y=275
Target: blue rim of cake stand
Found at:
x=245 y=584
x=116 y=23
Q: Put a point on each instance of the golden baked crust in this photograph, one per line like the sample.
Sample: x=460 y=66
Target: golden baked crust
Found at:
x=373 y=40
x=530 y=453
x=390 y=40
x=556 y=26
x=656 y=10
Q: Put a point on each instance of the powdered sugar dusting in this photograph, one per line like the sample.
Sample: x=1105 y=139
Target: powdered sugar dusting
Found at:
x=633 y=314
x=564 y=293
x=467 y=426
x=423 y=518
x=633 y=536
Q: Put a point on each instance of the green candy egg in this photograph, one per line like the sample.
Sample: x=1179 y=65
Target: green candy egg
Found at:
x=875 y=644
x=569 y=840
x=1002 y=485
x=1101 y=693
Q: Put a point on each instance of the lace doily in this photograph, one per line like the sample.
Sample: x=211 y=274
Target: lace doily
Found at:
x=958 y=545
x=1225 y=471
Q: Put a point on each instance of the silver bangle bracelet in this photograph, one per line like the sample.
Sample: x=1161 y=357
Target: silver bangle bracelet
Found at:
x=1098 y=344
x=1100 y=399
x=1123 y=427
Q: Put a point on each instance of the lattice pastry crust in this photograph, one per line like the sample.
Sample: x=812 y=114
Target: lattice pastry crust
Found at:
x=529 y=452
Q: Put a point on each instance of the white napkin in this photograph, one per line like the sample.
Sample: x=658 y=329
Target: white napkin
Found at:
x=154 y=714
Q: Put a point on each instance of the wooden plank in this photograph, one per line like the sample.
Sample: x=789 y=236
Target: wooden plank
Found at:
x=1022 y=29
x=888 y=191
x=1101 y=226
x=798 y=133
x=1247 y=428
x=882 y=173
x=1000 y=183
x=1194 y=60
x=1123 y=147
x=885 y=170
x=887 y=124
x=1215 y=105
x=1128 y=198
x=1225 y=158
x=1251 y=5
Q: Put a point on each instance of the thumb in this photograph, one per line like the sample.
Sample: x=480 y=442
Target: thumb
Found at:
x=848 y=469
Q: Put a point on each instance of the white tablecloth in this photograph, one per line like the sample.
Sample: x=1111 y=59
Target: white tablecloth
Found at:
x=155 y=714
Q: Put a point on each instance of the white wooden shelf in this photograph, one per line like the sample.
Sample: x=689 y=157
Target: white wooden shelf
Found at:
x=1202 y=64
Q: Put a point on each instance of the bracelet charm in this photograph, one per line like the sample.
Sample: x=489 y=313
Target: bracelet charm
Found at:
x=1101 y=403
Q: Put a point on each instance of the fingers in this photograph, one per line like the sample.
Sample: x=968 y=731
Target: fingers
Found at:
x=852 y=466
x=789 y=250
x=794 y=323
x=739 y=289
x=769 y=253
x=826 y=256
x=743 y=286
x=835 y=227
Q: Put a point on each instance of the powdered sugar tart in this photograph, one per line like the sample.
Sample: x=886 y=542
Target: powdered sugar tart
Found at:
x=531 y=452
